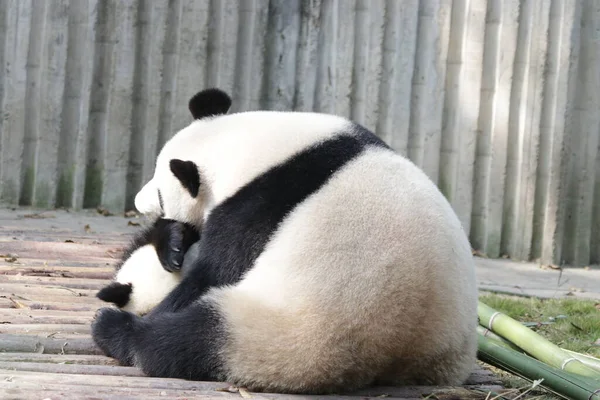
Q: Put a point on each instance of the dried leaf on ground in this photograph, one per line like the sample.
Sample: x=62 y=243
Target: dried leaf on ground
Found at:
x=16 y=303
x=38 y=216
x=104 y=211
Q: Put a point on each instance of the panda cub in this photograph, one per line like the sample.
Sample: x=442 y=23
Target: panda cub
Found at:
x=327 y=262
x=151 y=266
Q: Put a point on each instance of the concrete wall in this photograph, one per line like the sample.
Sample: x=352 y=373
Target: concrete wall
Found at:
x=498 y=100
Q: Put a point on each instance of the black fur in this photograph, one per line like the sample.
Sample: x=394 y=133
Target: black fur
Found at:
x=181 y=336
x=208 y=103
x=188 y=175
x=115 y=292
x=183 y=345
x=170 y=238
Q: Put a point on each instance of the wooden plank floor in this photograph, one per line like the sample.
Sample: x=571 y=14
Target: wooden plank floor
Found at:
x=51 y=266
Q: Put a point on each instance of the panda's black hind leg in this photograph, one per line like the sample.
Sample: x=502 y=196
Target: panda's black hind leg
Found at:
x=183 y=345
x=114 y=332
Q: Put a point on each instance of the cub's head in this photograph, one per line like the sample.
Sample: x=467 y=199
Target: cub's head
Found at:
x=176 y=190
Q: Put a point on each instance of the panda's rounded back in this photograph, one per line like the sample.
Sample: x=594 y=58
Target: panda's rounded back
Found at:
x=358 y=267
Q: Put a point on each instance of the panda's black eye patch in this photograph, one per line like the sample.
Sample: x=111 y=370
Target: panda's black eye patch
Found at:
x=160 y=201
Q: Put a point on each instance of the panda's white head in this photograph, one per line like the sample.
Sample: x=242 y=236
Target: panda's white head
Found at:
x=176 y=190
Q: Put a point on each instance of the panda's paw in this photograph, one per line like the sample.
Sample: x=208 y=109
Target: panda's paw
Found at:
x=113 y=332
x=171 y=246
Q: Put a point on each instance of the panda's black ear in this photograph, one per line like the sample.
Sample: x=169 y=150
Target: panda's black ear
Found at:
x=208 y=103
x=116 y=293
x=188 y=175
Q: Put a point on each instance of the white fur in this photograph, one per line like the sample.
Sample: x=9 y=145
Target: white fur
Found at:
x=230 y=151
x=151 y=283
x=371 y=278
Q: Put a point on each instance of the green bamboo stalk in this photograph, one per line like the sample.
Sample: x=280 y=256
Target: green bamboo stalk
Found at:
x=590 y=361
x=497 y=339
x=531 y=342
x=573 y=387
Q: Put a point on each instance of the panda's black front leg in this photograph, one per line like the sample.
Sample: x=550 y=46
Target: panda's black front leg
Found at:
x=172 y=239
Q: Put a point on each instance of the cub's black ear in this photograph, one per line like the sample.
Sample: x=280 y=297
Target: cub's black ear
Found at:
x=187 y=173
x=116 y=293
x=208 y=103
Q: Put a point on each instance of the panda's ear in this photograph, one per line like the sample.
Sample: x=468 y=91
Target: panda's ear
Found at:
x=208 y=103
x=116 y=293
x=188 y=175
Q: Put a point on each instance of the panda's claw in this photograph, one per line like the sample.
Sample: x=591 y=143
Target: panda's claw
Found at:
x=173 y=262
x=176 y=261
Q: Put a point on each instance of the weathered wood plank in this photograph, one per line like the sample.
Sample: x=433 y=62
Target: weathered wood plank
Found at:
x=32 y=291
x=28 y=316
x=110 y=370
x=91 y=252
x=38 y=344
x=110 y=241
x=26 y=391
x=482 y=376
x=91 y=271
x=80 y=359
x=73 y=283
x=76 y=305
x=140 y=385
x=19 y=261
x=107 y=393
x=44 y=329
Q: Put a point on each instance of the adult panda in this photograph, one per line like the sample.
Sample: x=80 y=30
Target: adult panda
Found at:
x=327 y=261
x=151 y=266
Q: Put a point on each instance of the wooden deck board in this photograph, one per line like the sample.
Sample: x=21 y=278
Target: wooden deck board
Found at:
x=50 y=271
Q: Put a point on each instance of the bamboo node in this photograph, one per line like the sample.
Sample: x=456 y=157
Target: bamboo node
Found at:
x=597 y=391
x=491 y=322
x=568 y=360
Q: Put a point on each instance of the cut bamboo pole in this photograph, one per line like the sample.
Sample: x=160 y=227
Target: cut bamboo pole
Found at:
x=531 y=342
x=567 y=385
x=496 y=338
x=590 y=361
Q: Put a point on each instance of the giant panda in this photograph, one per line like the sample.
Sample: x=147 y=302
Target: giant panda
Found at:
x=151 y=266
x=327 y=262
